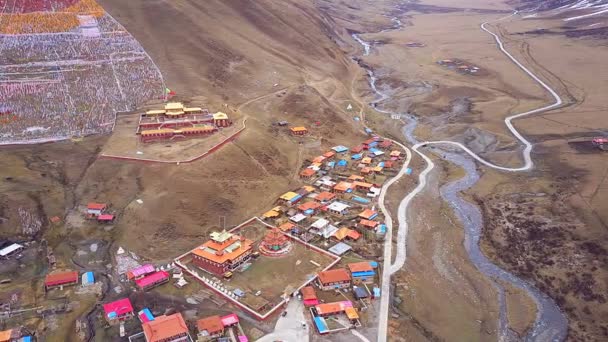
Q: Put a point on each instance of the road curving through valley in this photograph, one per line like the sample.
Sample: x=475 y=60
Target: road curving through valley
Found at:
x=550 y=324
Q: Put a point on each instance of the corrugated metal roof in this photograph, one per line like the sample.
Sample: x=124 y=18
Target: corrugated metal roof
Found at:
x=152 y=278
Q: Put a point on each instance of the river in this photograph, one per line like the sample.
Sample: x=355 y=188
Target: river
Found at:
x=550 y=324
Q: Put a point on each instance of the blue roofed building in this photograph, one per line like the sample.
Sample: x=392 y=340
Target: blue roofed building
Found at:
x=362 y=272
x=340 y=149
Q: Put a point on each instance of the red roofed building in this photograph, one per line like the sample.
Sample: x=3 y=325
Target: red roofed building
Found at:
x=368 y=224
x=329 y=154
x=329 y=309
x=105 y=218
x=60 y=279
x=287 y=226
x=363 y=186
x=325 y=197
x=309 y=296
x=117 y=311
x=386 y=144
x=367 y=142
x=307 y=173
x=210 y=327
x=334 y=279
x=357 y=149
x=344 y=187
x=95 y=209
x=152 y=280
x=171 y=328
x=314 y=206
x=224 y=252
x=368 y=214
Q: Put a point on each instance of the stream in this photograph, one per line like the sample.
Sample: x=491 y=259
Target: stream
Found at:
x=550 y=324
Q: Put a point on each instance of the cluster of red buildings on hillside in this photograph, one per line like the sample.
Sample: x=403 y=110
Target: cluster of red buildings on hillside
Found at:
x=171 y=328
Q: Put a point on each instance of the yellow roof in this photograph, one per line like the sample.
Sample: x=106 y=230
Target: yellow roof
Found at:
x=157 y=131
x=174 y=106
x=299 y=128
x=288 y=195
x=155 y=112
x=377 y=169
x=271 y=213
x=220 y=116
x=341 y=233
x=351 y=313
x=197 y=128
x=366 y=160
x=308 y=188
x=174 y=113
x=193 y=109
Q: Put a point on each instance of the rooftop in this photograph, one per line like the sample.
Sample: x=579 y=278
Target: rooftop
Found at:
x=308 y=292
x=338 y=206
x=223 y=247
x=333 y=308
x=344 y=232
x=307 y=172
x=61 y=278
x=174 y=106
x=368 y=223
x=211 y=324
x=325 y=196
x=343 y=186
x=363 y=266
x=220 y=116
x=152 y=278
x=368 y=214
x=96 y=206
x=288 y=196
x=164 y=327
x=10 y=249
x=286 y=226
x=340 y=248
x=118 y=308
x=334 y=276
x=320 y=223
x=309 y=205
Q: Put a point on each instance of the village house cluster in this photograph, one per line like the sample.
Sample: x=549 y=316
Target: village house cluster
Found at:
x=330 y=216
x=335 y=210
x=176 y=121
x=338 y=202
x=171 y=328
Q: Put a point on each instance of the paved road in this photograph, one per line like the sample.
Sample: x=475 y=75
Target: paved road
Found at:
x=402 y=210
x=289 y=328
x=528 y=163
x=388 y=246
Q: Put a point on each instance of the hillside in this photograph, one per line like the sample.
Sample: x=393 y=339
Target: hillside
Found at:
x=230 y=51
